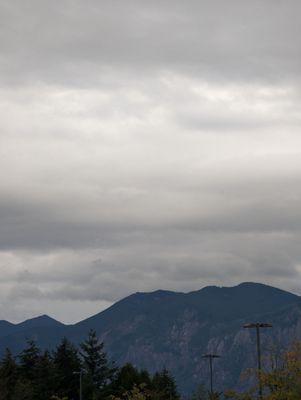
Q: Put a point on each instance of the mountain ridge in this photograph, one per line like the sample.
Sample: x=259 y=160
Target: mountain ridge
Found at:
x=247 y=284
x=173 y=329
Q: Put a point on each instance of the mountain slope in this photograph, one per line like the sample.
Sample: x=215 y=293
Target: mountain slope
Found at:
x=173 y=330
x=159 y=329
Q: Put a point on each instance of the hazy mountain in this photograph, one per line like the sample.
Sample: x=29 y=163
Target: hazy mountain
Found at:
x=173 y=330
x=6 y=328
x=38 y=322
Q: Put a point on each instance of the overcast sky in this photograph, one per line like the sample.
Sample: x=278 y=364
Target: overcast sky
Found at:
x=146 y=144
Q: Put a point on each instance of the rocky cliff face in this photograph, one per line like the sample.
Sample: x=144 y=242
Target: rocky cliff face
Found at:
x=173 y=330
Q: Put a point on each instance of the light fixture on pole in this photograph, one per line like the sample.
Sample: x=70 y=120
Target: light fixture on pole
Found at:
x=258 y=326
x=210 y=357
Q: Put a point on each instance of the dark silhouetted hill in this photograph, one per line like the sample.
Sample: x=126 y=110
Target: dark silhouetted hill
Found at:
x=173 y=330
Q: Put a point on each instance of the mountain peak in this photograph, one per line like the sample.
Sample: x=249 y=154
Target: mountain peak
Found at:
x=250 y=284
x=41 y=321
x=246 y=287
x=264 y=288
x=170 y=328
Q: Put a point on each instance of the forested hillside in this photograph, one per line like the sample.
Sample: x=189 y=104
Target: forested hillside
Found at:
x=173 y=330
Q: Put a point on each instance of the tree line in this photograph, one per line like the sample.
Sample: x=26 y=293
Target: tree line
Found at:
x=42 y=375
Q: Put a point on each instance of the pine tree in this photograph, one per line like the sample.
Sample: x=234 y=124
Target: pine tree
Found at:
x=164 y=386
x=98 y=371
x=29 y=359
x=44 y=377
x=8 y=376
x=66 y=362
x=24 y=390
x=27 y=372
x=35 y=377
x=129 y=377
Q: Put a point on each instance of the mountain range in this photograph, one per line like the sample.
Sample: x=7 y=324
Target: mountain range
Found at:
x=173 y=330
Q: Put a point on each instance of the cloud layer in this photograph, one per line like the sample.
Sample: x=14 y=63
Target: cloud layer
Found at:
x=146 y=145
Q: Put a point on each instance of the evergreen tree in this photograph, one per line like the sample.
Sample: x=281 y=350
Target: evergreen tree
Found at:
x=28 y=361
x=24 y=390
x=137 y=393
x=201 y=393
x=98 y=371
x=44 y=377
x=41 y=376
x=144 y=378
x=35 y=378
x=66 y=362
x=164 y=386
x=8 y=376
x=129 y=377
x=27 y=372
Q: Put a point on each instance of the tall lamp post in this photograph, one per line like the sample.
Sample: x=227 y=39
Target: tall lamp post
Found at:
x=80 y=373
x=210 y=357
x=258 y=326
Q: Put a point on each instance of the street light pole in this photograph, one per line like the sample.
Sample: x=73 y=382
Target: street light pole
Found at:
x=257 y=326
x=210 y=357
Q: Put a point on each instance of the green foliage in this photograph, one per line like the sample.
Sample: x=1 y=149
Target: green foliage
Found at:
x=66 y=361
x=282 y=382
x=24 y=390
x=95 y=361
x=29 y=359
x=232 y=394
x=8 y=376
x=164 y=386
x=27 y=385
x=201 y=393
x=98 y=372
x=44 y=379
x=214 y=396
x=127 y=378
x=37 y=375
x=136 y=393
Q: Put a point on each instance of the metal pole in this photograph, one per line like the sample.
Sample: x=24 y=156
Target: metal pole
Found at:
x=259 y=361
x=80 y=386
x=210 y=357
x=258 y=325
x=211 y=377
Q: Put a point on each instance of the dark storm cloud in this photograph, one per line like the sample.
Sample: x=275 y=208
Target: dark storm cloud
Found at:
x=146 y=145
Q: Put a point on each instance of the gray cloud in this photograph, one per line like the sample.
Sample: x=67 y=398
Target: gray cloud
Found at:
x=146 y=145
x=76 y=41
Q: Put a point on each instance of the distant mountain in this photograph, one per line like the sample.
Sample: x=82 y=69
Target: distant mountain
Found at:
x=173 y=330
x=6 y=328
x=33 y=323
x=44 y=329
